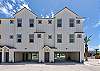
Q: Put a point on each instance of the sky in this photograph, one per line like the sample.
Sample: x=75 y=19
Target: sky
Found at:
x=90 y=9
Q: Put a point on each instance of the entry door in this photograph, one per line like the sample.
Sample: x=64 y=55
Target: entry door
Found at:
x=7 y=56
x=25 y=56
x=46 y=56
x=0 y=57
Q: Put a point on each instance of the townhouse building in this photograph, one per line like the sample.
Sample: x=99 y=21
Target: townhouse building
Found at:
x=27 y=37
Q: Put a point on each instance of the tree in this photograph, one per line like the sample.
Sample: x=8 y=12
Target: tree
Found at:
x=86 y=41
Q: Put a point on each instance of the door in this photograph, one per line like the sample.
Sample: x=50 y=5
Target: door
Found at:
x=46 y=56
x=7 y=56
x=25 y=56
x=0 y=57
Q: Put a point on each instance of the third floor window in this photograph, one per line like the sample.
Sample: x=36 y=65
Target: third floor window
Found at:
x=71 y=22
x=49 y=21
x=59 y=22
x=39 y=21
x=31 y=22
x=19 y=22
x=11 y=21
x=0 y=36
x=78 y=21
x=0 y=21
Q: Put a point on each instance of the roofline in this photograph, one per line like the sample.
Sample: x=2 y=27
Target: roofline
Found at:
x=46 y=18
x=78 y=32
x=7 y=18
x=69 y=10
x=10 y=47
x=39 y=32
x=43 y=18
x=27 y=9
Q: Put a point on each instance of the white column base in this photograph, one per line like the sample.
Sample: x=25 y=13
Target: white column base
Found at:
x=81 y=57
x=11 y=55
x=51 y=56
x=41 y=56
x=3 y=55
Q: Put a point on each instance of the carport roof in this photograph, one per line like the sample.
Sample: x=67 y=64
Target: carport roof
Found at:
x=10 y=47
x=50 y=47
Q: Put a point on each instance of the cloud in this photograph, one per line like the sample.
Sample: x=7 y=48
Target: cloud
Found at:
x=10 y=7
x=52 y=14
x=98 y=47
x=24 y=5
x=13 y=1
x=42 y=16
x=4 y=10
x=92 y=48
x=47 y=16
x=97 y=24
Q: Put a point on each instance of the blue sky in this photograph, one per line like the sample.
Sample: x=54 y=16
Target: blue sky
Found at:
x=90 y=9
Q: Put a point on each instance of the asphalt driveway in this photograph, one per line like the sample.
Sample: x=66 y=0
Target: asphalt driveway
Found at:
x=91 y=65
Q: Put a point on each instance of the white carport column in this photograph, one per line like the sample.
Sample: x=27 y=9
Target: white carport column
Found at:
x=11 y=55
x=81 y=56
x=3 y=55
x=41 y=56
x=51 y=56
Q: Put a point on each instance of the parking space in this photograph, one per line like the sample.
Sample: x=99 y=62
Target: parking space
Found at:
x=52 y=66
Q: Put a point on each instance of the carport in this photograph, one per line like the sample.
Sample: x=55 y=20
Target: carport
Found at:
x=26 y=56
x=67 y=56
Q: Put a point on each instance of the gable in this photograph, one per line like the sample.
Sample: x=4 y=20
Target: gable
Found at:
x=68 y=11
x=23 y=10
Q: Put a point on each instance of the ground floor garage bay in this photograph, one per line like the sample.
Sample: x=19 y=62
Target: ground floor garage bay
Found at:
x=26 y=56
x=47 y=57
x=66 y=56
x=58 y=57
x=44 y=55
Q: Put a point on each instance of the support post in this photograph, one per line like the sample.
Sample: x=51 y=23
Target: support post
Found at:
x=41 y=56
x=11 y=55
x=3 y=55
x=51 y=56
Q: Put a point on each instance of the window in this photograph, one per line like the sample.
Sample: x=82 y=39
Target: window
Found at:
x=78 y=21
x=59 y=22
x=11 y=21
x=49 y=36
x=71 y=38
x=11 y=36
x=35 y=56
x=49 y=21
x=0 y=36
x=59 y=38
x=79 y=36
x=31 y=38
x=31 y=22
x=71 y=22
x=0 y=21
x=19 y=22
x=39 y=21
x=39 y=35
x=19 y=36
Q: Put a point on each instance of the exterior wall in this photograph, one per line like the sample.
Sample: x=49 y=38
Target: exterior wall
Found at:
x=6 y=29
x=75 y=56
x=25 y=30
x=18 y=56
x=48 y=29
x=65 y=30
x=45 y=29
